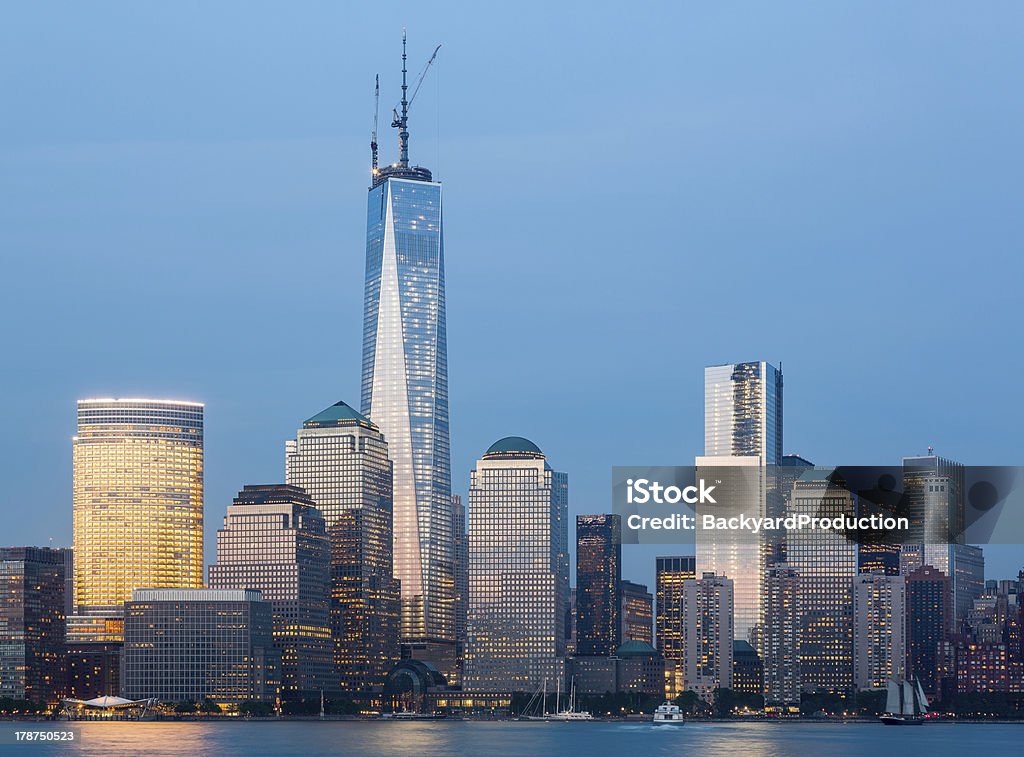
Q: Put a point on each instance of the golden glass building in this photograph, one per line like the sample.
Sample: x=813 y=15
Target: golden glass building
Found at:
x=138 y=506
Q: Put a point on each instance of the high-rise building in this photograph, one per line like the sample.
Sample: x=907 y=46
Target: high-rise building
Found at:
x=825 y=563
x=929 y=614
x=32 y=623
x=747 y=669
x=780 y=641
x=879 y=629
x=188 y=645
x=340 y=458
x=598 y=574
x=707 y=623
x=742 y=428
x=405 y=383
x=274 y=540
x=518 y=570
x=671 y=573
x=461 y=568
x=637 y=612
x=138 y=506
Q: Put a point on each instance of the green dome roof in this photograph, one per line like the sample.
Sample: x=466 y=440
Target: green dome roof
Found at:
x=338 y=414
x=514 y=445
x=634 y=648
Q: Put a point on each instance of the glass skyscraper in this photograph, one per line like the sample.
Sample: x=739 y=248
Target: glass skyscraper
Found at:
x=405 y=388
x=138 y=506
x=598 y=575
x=742 y=445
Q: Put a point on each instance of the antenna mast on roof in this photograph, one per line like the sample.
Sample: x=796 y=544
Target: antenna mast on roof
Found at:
x=373 y=139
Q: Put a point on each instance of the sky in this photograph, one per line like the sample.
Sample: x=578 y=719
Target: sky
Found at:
x=633 y=191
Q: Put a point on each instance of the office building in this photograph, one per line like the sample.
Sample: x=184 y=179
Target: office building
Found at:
x=747 y=669
x=929 y=614
x=340 y=459
x=671 y=573
x=825 y=562
x=32 y=623
x=780 y=642
x=598 y=574
x=274 y=540
x=405 y=386
x=189 y=645
x=138 y=507
x=637 y=612
x=742 y=448
x=518 y=570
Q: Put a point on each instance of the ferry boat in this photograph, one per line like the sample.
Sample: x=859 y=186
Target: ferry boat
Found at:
x=668 y=714
x=905 y=703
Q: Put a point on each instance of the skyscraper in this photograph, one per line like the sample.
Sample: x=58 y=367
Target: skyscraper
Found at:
x=32 y=623
x=742 y=430
x=670 y=575
x=929 y=614
x=340 y=458
x=405 y=382
x=138 y=506
x=598 y=574
x=781 y=638
x=825 y=563
x=637 y=612
x=274 y=540
x=708 y=624
x=879 y=629
x=518 y=570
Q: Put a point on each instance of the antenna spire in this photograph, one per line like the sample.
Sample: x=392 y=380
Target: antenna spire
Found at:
x=403 y=127
x=373 y=138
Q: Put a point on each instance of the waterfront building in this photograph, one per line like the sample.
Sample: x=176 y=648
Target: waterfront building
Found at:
x=518 y=570
x=929 y=614
x=671 y=573
x=780 y=642
x=32 y=623
x=189 y=645
x=275 y=540
x=637 y=612
x=138 y=507
x=340 y=459
x=708 y=629
x=879 y=629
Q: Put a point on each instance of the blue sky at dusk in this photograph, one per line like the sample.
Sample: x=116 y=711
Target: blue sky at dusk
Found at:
x=632 y=192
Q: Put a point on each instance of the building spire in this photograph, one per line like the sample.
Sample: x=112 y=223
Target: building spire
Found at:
x=403 y=126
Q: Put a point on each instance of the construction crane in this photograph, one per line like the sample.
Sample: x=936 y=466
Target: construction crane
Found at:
x=401 y=122
x=376 y=111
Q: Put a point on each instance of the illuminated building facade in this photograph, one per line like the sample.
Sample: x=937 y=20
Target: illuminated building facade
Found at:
x=929 y=613
x=138 y=507
x=340 y=459
x=637 y=612
x=825 y=563
x=518 y=570
x=598 y=575
x=187 y=645
x=671 y=573
x=879 y=629
x=742 y=429
x=32 y=623
x=780 y=642
x=274 y=540
x=708 y=629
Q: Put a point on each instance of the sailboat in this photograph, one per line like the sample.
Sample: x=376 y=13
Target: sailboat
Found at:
x=571 y=713
x=905 y=703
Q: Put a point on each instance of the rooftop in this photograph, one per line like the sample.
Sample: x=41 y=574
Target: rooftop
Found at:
x=338 y=414
x=514 y=446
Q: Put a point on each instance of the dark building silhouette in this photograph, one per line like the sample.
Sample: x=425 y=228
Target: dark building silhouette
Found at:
x=929 y=623
x=598 y=574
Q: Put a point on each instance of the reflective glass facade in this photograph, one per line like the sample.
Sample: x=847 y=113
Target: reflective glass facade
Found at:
x=138 y=500
x=598 y=574
x=405 y=392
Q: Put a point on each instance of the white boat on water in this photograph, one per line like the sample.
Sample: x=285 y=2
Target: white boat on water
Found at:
x=571 y=714
x=905 y=703
x=668 y=714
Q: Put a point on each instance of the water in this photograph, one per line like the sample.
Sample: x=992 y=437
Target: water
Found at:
x=514 y=739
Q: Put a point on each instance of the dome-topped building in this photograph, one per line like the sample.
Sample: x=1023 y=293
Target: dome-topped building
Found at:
x=513 y=446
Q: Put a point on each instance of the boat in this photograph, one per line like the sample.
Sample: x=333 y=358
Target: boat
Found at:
x=537 y=707
x=668 y=714
x=570 y=714
x=905 y=703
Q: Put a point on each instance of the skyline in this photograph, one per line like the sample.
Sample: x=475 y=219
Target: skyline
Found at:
x=316 y=228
